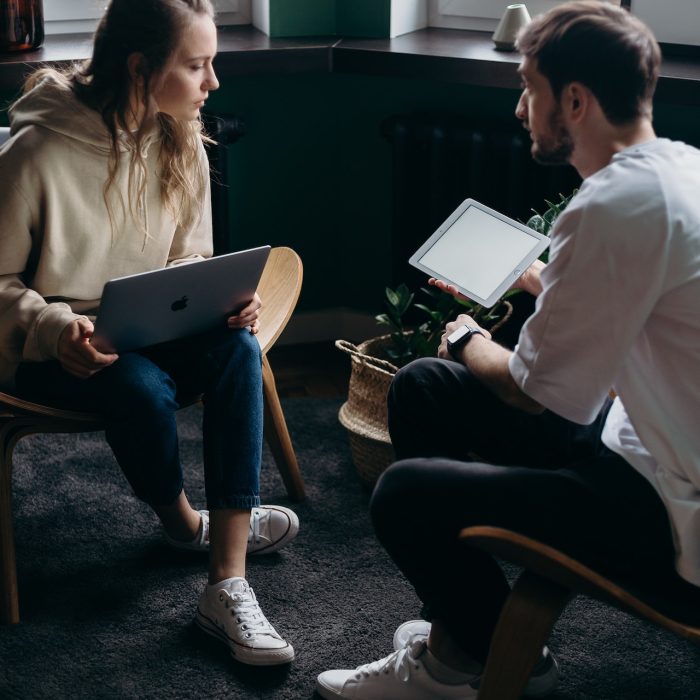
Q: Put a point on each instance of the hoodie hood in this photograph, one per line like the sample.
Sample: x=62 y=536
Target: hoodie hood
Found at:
x=52 y=104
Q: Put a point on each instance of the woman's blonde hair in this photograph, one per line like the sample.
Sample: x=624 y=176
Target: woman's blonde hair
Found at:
x=153 y=29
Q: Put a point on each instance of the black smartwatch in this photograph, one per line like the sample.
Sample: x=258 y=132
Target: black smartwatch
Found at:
x=459 y=338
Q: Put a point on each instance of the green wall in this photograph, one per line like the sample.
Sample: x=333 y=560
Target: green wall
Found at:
x=314 y=172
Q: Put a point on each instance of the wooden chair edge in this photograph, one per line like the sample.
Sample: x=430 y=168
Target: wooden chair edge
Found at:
x=550 y=563
x=280 y=255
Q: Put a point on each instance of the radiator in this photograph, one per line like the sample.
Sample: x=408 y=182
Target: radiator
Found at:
x=440 y=160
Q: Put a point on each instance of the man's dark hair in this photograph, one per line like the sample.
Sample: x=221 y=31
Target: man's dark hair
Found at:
x=604 y=47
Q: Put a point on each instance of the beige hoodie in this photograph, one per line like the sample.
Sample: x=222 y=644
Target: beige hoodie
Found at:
x=57 y=246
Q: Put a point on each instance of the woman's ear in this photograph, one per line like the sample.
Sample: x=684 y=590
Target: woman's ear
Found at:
x=135 y=65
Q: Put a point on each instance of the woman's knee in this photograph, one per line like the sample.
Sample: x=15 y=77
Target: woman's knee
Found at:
x=239 y=350
x=135 y=386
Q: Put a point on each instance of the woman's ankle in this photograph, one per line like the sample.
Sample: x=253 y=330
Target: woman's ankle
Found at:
x=180 y=521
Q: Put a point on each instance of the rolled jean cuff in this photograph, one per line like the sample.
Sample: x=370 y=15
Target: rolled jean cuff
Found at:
x=236 y=503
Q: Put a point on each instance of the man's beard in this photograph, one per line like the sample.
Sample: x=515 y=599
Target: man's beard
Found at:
x=555 y=148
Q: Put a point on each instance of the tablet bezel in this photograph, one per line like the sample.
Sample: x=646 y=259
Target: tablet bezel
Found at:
x=542 y=241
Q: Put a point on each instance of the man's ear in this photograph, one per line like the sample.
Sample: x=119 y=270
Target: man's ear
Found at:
x=575 y=100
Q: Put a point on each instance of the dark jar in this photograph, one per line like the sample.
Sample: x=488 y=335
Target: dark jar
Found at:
x=21 y=25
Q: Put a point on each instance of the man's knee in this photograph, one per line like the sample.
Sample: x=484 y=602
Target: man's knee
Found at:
x=397 y=492
x=412 y=379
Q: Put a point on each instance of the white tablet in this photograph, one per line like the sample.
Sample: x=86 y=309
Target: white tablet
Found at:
x=480 y=251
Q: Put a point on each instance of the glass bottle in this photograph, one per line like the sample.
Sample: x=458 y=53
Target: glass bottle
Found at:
x=21 y=25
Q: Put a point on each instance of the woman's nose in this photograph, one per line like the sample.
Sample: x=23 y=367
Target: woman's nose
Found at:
x=212 y=81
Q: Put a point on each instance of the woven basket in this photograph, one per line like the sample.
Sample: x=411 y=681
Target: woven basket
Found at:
x=364 y=414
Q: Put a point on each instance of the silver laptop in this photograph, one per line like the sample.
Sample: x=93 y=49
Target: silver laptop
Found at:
x=174 y=302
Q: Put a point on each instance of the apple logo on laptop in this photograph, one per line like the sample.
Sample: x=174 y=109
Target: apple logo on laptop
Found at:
x=179 y=304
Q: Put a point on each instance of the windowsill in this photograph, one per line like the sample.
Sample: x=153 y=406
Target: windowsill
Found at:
x=448 y=55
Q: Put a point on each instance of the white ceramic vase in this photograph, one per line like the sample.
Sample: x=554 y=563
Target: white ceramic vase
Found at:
x=514 y=19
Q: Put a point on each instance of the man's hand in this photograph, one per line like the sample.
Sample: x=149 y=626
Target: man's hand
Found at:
x=247 y=316
x=75 y=353
x=447 y=288
x=530 y=281
x=461 y=320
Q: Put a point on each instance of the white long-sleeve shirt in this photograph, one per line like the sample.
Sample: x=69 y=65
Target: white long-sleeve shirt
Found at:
x=620 y=308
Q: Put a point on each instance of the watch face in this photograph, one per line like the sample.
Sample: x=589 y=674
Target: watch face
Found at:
x=457 y=335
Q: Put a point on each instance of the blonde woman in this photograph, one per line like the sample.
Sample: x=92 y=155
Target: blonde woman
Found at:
x=106 y=175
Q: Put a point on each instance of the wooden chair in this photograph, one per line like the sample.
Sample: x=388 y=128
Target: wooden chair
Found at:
x=279 y=290
x=549 y=580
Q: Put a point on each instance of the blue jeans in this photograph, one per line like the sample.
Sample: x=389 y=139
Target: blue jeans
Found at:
x=138 y=396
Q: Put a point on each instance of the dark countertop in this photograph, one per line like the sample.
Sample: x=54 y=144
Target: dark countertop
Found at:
x=448 y=55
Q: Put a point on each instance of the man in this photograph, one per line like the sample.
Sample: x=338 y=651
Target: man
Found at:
x=615 y=484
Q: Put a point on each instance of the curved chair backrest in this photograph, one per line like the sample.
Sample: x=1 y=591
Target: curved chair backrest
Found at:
x=279 y=290
x=549 y=580
x=552 y=564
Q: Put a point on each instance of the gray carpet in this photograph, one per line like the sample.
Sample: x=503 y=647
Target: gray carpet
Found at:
x=107 y=608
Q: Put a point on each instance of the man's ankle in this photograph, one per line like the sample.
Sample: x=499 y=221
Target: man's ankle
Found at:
x=449 y=674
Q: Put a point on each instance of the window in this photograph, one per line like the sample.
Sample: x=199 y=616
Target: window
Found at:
x=68 y=16
x=674 y=22
x=482 y=14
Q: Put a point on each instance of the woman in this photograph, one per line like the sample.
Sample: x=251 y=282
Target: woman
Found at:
x=106 y=175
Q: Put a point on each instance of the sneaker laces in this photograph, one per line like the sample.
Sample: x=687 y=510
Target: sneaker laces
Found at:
x=401 y=661
x=244 y=606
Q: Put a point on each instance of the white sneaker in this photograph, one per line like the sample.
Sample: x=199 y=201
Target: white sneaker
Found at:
x=399 y=676
x=271 y=527
x=544 y=677
x=231 y=614
x=412 y=628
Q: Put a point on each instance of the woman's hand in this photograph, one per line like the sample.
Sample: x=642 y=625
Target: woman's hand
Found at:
x=75 y=353
x=247 y=316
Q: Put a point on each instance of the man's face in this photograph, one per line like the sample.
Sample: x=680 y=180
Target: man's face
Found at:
x=542 y=116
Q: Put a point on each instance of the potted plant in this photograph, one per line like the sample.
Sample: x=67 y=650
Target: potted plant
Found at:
x=416 y=327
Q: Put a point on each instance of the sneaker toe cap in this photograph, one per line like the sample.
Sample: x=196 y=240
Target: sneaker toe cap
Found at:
x=330 y=684
x=284 y=523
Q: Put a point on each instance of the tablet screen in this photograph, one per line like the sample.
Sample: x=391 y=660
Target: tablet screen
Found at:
x=479 y=250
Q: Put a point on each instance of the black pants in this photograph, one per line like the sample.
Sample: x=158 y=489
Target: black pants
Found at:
x=539 y=475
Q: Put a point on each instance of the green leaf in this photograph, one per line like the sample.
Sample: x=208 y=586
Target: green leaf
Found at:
x=392 y=297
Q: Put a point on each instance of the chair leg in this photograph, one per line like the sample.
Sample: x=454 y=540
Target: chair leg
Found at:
x=526 y=621
x=9 y=606
x=278 y=438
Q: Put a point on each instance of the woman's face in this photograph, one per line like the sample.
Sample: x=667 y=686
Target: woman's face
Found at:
x=189 y=76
